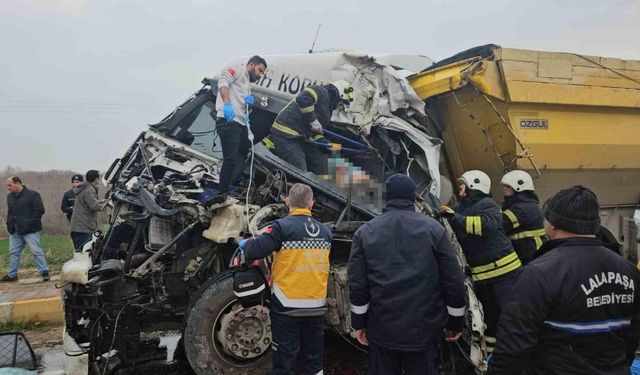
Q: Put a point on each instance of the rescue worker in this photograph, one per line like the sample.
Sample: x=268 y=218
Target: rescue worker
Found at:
x=521 y=214
x=234 y=96
x=477 y=222
x=575 y=306
x=300 y=245
x=405 y=285
x=300 y=124
x=68 y=198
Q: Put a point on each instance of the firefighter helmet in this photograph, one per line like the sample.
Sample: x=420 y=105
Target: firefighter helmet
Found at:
x=518 y=180
x=345 y=90
x=476 y=180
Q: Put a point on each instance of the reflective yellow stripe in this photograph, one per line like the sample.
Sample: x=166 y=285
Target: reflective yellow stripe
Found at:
x=497 y=272
x=478 y=225
x=308 y=109
x=317 y=137
x=512 y=217
x=313 y=93
x=268 y=143
x=285 y=129
x=474 y=225
x=469 y=221
x=490 y=339
x=498 y=263
x=538 y=240
x=527 y=234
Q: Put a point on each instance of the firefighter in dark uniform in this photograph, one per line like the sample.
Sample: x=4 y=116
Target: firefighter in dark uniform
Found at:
x=521 y=213
x=405 y=284
x=300 y=245
x=299 y=125
x=575 y=306
x=477 y=222
x=69 y=197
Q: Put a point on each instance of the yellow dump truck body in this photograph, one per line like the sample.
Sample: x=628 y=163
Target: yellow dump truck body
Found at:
x=566 y=118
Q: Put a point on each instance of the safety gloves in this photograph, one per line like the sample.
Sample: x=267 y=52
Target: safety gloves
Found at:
x=249 y=100
x=229 y=113
x=316 y=127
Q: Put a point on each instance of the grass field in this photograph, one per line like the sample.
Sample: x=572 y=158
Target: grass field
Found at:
x=57 y=250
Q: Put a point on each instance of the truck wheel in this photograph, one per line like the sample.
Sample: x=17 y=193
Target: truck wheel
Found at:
x=221 y=337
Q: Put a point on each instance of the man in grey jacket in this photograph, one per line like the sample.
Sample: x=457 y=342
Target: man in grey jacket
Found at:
x=84 y=220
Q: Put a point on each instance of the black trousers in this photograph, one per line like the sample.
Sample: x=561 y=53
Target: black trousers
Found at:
x=298 y=344
x=494 y=295
x=235 y=145
x=79 y=239
x=299 y=153
x=383 y=361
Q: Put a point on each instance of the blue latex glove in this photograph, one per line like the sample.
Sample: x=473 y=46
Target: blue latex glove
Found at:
x=249 y=100
x=241 y=244
x=229 y=113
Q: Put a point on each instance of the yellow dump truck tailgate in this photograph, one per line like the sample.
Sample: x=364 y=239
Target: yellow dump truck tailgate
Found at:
x=575 y=118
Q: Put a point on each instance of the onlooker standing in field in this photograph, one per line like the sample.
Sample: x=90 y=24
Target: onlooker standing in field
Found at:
x=69 y=197
x=84 y=220
x=25 y=210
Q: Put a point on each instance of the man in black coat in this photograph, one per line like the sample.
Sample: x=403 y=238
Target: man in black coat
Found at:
x=575 y=308
x=25 y=210
x=68 y=199
x=405 y=284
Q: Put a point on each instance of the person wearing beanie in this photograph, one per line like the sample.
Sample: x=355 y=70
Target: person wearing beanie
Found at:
x=576 y=305
x=84 y=220
x=521 y=214
x=69 y=197
x=477 y=221
x=406 y=286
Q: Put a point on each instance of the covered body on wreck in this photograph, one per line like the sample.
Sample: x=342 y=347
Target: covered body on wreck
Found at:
x=163 y=261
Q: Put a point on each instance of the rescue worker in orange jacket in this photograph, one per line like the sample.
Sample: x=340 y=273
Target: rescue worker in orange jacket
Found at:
x=300 y=246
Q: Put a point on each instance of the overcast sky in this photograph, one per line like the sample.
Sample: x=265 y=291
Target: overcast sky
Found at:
x=79 y=79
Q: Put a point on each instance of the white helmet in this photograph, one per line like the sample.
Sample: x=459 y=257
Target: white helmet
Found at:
x=476 y=180
x=345 y=90
x=518 y=180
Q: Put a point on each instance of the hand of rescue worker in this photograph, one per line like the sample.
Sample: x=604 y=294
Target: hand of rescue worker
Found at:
x=451 y=336
x=361 y=336
x=446 y=211
x=335 y=146
x=316 y=126
x=229 y=113
x=249 y=100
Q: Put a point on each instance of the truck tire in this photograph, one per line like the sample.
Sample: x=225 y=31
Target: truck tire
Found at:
x=220 y=337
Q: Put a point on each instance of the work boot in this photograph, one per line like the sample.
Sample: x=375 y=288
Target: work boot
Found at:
x=8 y=279
x=45 y=276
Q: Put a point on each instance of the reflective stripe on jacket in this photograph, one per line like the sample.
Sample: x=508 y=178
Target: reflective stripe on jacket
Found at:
x=312 y=103
x=523 y=224
x=300 y=271
x=575 y=310
x=478 y=225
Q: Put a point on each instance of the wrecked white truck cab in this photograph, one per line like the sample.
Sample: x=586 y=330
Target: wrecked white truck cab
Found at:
x=164 y=261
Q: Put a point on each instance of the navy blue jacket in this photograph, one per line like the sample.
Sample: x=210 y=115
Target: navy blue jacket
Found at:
x=576 y=310
x=25 y=212
x=312 y=103
x=523 y=224
x=483 y=240
x=405 y=282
